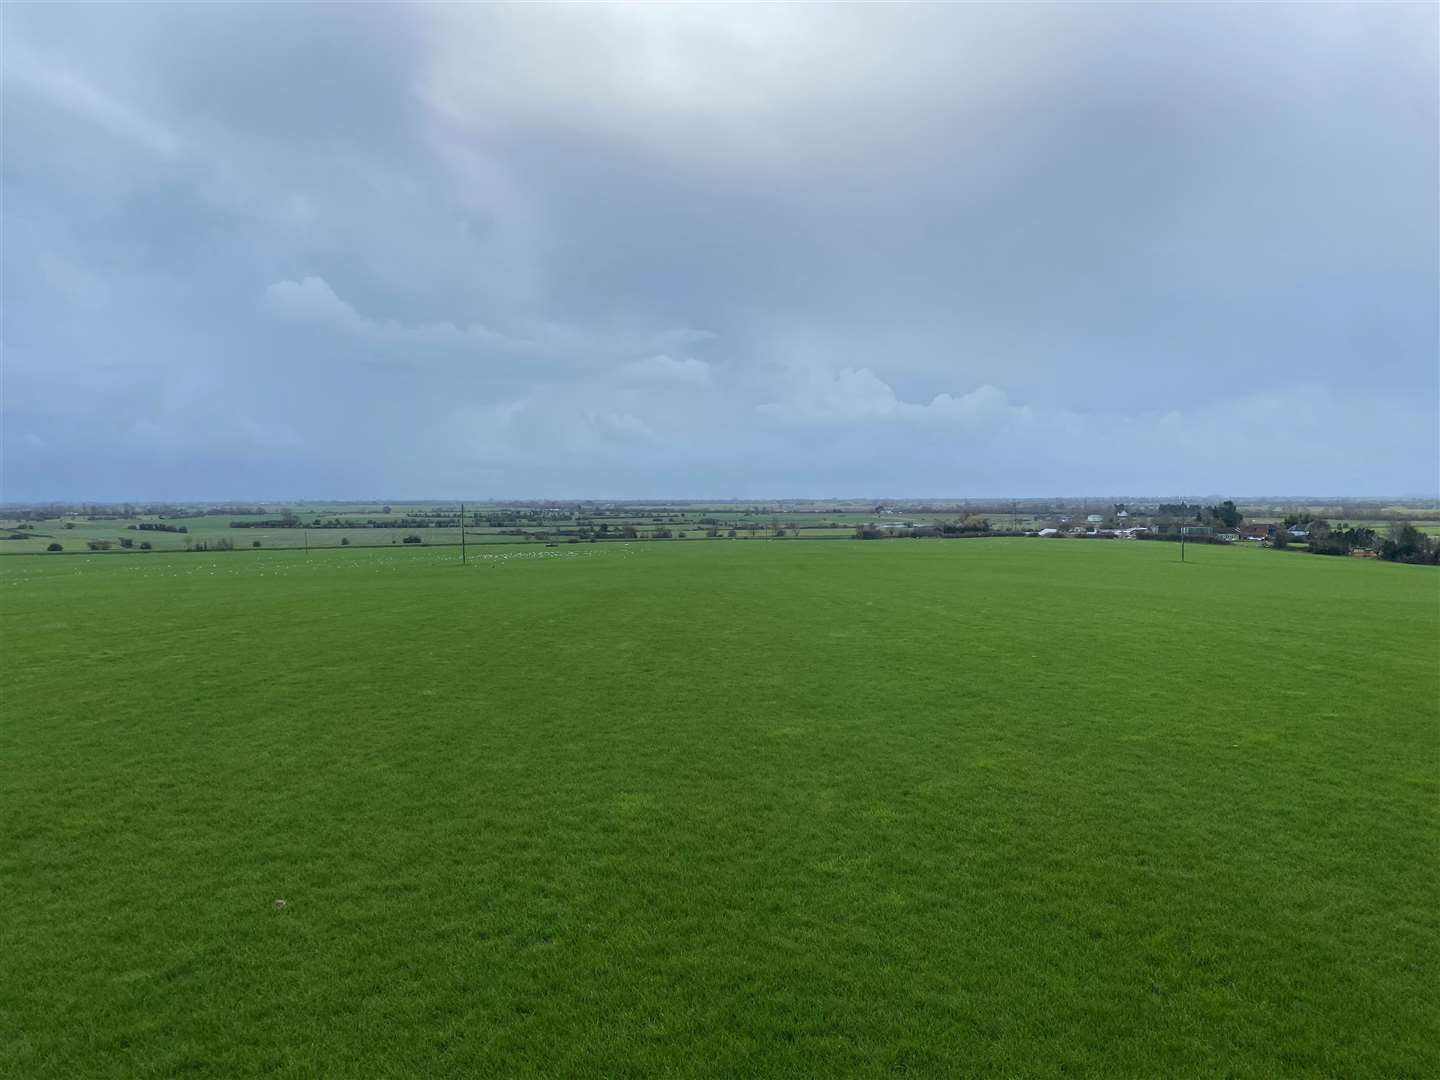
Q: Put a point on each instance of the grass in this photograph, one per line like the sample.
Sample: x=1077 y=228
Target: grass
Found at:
x=763 y=809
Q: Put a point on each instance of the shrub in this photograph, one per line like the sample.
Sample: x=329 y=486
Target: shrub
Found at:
x=344 y=542
x=98 y=545
x=413 y=539
x=254 y=543
x=144 y=545
x=56 y=547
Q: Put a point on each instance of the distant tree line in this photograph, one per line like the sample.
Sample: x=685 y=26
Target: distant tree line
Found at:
x=972 y=525
x=1408 y=544
x=1405 y=543
x=1224 y=515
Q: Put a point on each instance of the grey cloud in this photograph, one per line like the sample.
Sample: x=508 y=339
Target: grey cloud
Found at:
x=719 y=250
x=65 y=88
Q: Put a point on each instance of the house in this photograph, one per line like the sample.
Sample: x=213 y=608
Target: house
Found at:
x=1123 y=514
x=1257 y=532
x=1297 y=533
x=1095 y=519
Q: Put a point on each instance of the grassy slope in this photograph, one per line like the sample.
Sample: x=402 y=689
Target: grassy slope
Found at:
x=986 y=806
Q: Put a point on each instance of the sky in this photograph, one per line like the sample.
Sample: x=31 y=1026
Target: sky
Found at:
x=703 y=251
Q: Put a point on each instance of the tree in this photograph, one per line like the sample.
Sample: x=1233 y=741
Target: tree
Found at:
x=254 y=543
x=1408 y=544
x=1226 y=514
x=144 y=545
x=344 y=542
x=1339 y=541
x=55 y=547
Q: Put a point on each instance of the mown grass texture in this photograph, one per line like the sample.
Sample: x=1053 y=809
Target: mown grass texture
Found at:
x=784 y=809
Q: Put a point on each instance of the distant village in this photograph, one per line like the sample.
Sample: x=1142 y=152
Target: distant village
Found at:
x=1220 y=523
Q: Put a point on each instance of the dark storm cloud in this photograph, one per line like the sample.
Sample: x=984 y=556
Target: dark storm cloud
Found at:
x=282 y=250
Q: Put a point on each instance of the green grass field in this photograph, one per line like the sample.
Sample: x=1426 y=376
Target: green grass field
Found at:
x=1013 y=808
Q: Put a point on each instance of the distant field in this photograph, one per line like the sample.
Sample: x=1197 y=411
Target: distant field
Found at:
x=74 y=535
x=369 y=525
x=986 y=807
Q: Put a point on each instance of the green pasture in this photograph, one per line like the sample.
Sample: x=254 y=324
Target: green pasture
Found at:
x=966 y=808
x=74 y=533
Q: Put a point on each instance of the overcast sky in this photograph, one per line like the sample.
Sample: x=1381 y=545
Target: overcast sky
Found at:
x=286 y=251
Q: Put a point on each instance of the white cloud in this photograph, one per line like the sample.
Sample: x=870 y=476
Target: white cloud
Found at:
x=819 y=396
x=312 y=300
x=663 y=369
x=621 y=426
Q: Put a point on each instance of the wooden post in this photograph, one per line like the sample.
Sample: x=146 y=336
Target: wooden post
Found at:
x=462 y=534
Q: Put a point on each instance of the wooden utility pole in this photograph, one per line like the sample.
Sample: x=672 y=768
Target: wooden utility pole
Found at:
x=462 y=534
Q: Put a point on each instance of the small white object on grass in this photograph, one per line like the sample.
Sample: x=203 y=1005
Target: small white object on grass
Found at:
x=281 y=903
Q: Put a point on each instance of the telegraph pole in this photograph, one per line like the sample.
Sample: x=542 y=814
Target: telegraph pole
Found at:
x=462 y=534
